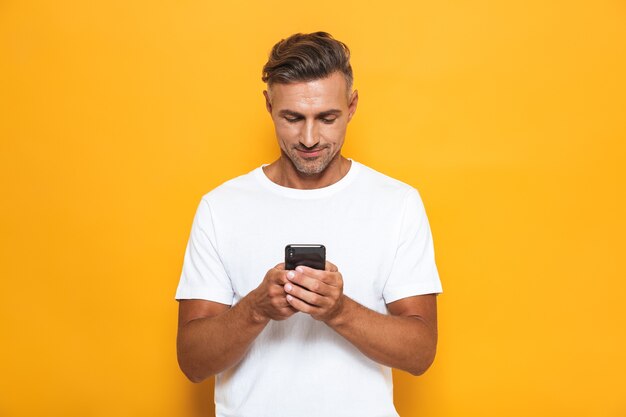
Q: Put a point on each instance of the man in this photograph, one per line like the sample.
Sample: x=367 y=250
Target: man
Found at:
x=308 y=342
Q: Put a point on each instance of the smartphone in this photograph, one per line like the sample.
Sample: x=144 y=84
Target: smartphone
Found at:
x=313 y=256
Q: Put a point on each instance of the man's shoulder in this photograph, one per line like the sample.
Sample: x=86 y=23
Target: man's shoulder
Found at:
x=377 y=181
x=235 y=187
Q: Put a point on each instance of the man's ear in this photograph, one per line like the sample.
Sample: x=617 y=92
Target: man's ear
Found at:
x=268 y=103
x=352 y=104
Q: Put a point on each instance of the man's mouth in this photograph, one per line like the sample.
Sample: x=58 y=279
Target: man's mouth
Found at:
x=309 y=153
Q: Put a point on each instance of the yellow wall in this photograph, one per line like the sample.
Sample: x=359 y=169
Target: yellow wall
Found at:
x=117 y=116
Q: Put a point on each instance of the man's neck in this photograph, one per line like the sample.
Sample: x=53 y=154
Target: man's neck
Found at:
x=283 y=173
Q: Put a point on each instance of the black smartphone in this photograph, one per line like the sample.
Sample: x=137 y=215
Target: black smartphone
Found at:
x=313 y=256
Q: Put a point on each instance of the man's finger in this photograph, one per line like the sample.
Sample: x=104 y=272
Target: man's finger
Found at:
x=330 y=267
x=309 y=297
x=327 y=277
x=278 y=276
x=313 y=284
x=301 y=305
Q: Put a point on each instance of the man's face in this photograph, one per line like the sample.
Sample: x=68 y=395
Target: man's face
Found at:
x=310 y=119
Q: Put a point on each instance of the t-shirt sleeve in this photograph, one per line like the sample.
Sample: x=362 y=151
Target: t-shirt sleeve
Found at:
x=413 y=271
x=203 y=275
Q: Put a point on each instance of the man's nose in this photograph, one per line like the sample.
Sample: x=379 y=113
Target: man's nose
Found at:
x=310 y=136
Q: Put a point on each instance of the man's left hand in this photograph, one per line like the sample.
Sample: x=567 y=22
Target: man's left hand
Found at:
x=315 y=292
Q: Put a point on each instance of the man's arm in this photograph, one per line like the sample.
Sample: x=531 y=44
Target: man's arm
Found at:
x=406 y=339
x=213 y=337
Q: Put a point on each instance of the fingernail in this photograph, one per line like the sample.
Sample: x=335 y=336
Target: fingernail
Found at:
x=288 y=287
x=299 y=269
x=289 y=298
x=291 y=274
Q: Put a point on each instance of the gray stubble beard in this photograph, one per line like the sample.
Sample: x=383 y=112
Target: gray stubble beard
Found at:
x=304 y=167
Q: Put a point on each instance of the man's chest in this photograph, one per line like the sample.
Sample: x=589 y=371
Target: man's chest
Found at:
x=360 y=238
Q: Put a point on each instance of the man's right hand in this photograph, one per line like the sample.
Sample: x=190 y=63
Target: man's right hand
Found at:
x=269 y=299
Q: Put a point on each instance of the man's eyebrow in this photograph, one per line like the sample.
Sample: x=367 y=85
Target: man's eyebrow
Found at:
x=290 y=113
x=332 y=112
x=326 y=113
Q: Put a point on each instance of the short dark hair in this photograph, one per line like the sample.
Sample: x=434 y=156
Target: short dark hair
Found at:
x=305 y=57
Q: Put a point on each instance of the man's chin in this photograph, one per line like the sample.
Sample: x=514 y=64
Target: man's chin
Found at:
x=308 y=166
x=309 y=171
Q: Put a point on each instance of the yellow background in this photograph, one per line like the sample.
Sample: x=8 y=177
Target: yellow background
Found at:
x=509 y=117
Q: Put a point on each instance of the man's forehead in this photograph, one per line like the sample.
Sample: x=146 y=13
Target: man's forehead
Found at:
x=310 y=93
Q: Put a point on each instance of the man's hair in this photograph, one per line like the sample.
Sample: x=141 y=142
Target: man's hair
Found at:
x=306 y=57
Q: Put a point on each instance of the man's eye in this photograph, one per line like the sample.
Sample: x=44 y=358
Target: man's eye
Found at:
x=329 y=121
x=292 y=119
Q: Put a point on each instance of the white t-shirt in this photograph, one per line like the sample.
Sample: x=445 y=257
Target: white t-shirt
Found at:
x=375 y=230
